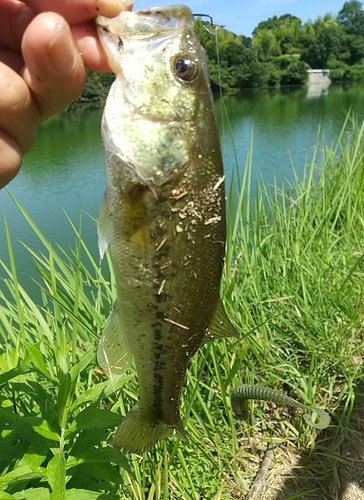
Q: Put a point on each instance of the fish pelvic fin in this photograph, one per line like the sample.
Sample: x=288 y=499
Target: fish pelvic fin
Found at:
x=138 y=432
x=113 y=354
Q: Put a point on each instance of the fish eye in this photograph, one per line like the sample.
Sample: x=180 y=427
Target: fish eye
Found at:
x=185 y=68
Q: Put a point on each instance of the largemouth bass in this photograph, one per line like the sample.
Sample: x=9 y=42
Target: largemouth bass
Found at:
x=163 y=213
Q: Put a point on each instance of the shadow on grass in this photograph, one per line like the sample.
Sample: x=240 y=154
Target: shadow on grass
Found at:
x=334 y=471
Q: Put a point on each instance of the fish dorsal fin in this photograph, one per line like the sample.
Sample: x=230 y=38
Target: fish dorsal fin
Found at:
x=103 y=227
x=220 y=325
x=113 y=354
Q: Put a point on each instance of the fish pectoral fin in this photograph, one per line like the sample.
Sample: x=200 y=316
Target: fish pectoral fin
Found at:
x=220 y=325
x=136 y=222
x=113 y=354
x=103 y=227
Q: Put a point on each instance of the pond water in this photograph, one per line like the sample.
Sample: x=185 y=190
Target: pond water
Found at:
x=65 y=169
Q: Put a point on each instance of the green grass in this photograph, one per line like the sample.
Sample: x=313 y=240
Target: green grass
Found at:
x=293 y=286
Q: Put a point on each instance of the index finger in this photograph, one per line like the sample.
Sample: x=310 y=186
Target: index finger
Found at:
x=80 y=11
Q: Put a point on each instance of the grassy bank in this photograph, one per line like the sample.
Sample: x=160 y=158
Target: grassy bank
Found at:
x=293 y=286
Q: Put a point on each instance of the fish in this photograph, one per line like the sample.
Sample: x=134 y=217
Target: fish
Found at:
x=163 y=214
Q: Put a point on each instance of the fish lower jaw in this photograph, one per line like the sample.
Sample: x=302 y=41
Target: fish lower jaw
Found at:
x=138 y=432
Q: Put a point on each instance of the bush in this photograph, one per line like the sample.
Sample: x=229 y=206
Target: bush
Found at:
x=347 y=73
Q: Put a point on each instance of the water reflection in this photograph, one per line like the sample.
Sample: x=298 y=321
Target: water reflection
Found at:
x=318 y=90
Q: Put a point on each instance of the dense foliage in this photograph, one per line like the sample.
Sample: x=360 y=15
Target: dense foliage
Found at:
x=279 y=52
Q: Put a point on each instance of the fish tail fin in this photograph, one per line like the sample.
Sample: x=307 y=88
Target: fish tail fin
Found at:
x=138 y=432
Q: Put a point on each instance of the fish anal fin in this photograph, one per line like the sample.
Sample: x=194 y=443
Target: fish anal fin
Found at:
x=220 y=326
x=113 y=354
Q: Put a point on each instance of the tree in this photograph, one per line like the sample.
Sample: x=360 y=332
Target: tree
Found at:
x=275 y=22
x=355 y=48
x=293 y=71
x=277 y=35
x=267 y=45
x=323 y=41
x=351 y=18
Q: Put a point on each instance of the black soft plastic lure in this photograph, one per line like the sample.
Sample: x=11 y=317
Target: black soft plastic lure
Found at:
x=250 y=391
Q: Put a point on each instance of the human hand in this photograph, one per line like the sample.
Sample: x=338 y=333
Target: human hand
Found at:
x=42 y=65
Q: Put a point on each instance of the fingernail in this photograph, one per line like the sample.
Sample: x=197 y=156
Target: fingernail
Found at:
x=62 y=51
x=111 y=8
x=124 y=4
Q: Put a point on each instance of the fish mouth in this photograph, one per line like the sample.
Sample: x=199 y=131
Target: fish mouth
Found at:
x=149 y=22
x=170 y=18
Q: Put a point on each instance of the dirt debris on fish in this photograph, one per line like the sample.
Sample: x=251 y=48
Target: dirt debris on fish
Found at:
x=163 y=213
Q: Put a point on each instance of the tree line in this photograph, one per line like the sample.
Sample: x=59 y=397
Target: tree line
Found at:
x=279 y=52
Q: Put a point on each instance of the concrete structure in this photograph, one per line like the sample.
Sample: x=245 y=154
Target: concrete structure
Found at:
x=318 y=76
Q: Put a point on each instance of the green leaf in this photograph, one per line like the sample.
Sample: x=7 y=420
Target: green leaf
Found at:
x=38 y=424
x=82 y=364
x=42 y=427
x=98 y=473
x=6 y=496
x=37 y=359
x=36 y=453
x=5 y=377
x=15 y=439
x=87 y=440
x=78 y=494
x=21 y=474
x=56 y=472
x=89 y=396
x=108 y=455
x=44 y=399
x=32 y=494
x=93 y=417
x=65 y=395
x=103 y=389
